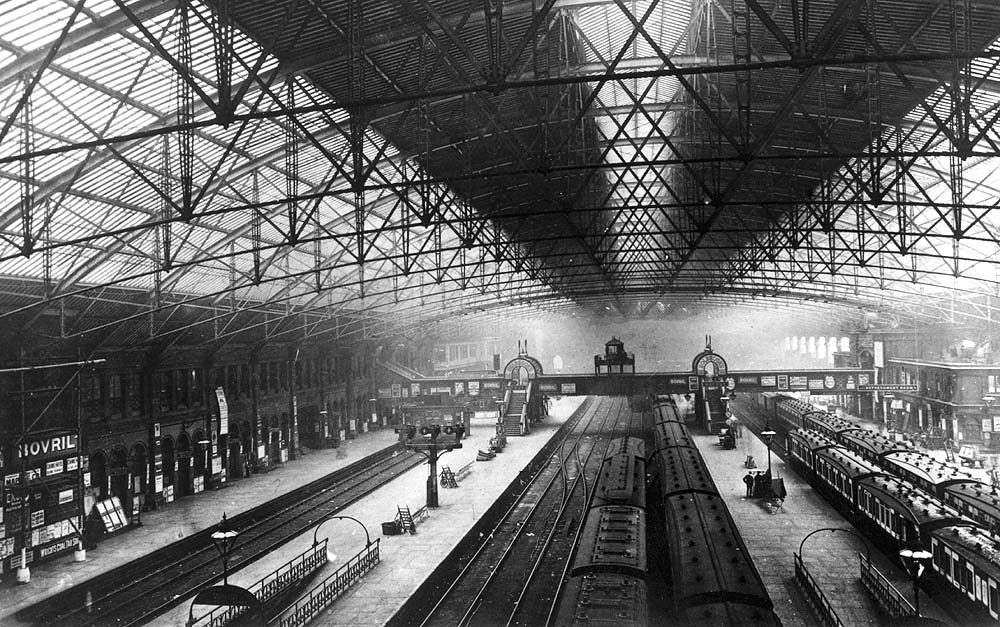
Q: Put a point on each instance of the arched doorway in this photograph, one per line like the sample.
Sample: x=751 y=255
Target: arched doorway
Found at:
x=140 y=474
x=118 y=470
x=273 y=441
x=169 y=461
x=99 y=474
x=199 y=457
x=183 y=465
x=235 y=461
x=246 y=436
x=286 y=436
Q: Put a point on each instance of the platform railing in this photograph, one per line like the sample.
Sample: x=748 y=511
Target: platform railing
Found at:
x=884 y=592
x=269 y=586
x=327 y=591
x=817 y=600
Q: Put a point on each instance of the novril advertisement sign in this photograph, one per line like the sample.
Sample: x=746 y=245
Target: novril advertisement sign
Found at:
x=53 y=446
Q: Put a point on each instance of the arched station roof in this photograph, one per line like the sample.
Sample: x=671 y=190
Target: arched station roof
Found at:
x=189 y=169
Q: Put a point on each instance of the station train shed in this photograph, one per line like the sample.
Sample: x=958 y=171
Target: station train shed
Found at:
x=235 y=231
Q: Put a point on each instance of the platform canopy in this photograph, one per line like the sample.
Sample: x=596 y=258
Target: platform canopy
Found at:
x=188 y=169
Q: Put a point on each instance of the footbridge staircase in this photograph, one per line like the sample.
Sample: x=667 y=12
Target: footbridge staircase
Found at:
x=515 y=410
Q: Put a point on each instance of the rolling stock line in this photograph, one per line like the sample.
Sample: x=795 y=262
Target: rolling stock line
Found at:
x=150 y=585
x=711 y=580
x=504 y=576
x=902 y=498
x=605 y=581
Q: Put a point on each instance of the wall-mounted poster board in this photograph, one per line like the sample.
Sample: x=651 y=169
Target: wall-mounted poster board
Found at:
x=112 y=514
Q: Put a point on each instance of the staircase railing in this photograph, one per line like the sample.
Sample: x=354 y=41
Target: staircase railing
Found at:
x=400 y=369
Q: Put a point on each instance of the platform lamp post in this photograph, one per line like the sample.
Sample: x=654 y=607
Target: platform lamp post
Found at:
x=368 y=538
x=223 y=538
x=914 y=561
x=768 y=436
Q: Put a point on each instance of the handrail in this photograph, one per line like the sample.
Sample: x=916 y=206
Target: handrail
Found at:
x=884 y=592
x=817 y=600
x=330 y=589
x=270 y=585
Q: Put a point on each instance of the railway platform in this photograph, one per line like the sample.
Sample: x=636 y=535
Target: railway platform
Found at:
x=406 y=559
x=180 y=519
x=772 y=539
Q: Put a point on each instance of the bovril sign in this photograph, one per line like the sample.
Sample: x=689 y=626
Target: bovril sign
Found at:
x=48 y=447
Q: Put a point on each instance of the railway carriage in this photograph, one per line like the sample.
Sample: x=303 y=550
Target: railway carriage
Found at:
x=803 y=444
x=966 y=560
x=976 y=500
x=836 y=470
x=925 y=472
x=622 y=478
x=712 y=579
x=829 y=425
x=681 y=469
x=604 y=600
x=613 y=540
x=666 y=411
x=730 y=614
x=792 y=411
x=669 y=433
x=902 y=512
x=872 y=446
x=709 y=561
x=893 y=491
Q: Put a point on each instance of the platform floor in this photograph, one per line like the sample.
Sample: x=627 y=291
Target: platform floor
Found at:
x=772 y=540
x=181 y=518
x=408 y=559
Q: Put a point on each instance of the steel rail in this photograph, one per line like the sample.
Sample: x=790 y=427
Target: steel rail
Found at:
x=124 y=595
x=520 y=536
x=474 y=560
x=517 y=615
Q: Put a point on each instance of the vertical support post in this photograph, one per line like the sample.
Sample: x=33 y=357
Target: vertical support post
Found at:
x=292 y=167
x=432 y=488
x=185 y=114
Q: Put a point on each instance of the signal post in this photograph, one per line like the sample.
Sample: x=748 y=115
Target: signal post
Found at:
x=432 y=446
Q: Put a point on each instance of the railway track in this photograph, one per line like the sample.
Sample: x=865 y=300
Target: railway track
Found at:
x=539 y=598
x=150 y=585
x=756 y=419
x=509 y=577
